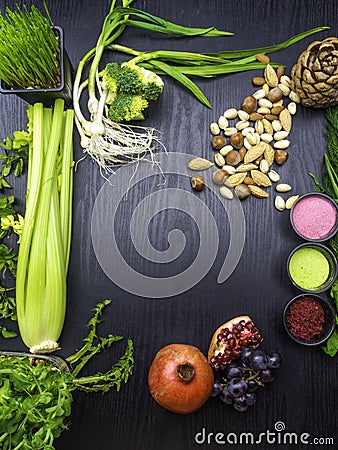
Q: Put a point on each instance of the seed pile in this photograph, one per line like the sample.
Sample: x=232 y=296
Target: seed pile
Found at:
x=305 y=318
x=249 y=141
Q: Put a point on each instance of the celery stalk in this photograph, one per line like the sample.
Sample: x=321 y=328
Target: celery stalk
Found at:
x=66 y=189
x=45 y=242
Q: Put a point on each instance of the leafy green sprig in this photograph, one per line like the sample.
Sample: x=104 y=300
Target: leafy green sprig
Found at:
x=329 y=186
x=15 y=152
x=94 y=344
x=36 y=398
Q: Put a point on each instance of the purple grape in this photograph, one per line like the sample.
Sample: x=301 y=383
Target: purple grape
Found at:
x=246 y=353
x=259 y=360
x=226 y=397
x=217 y=389
x=237 y=387
x=235 y=372
x=266 y=376
x=274 y=360
x=252 y=386
x=251 y=397
x=241 y=403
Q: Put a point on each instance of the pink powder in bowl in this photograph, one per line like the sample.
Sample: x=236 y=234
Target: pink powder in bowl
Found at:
x=314 y=217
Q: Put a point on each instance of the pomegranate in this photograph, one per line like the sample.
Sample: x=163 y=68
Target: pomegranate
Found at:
x=229 y=339
x=180 y=378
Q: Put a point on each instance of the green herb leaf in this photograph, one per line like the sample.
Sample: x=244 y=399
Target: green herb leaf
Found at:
x=331 y=347
x=7 y=334
x=184 y=80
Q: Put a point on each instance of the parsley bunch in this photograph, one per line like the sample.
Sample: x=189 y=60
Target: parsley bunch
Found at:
x=15 y=152
x=36 y=397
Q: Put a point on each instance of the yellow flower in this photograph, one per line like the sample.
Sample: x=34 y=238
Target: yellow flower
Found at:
x=15 y=224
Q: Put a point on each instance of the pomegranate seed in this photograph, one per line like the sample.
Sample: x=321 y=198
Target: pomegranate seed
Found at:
x=232 y=343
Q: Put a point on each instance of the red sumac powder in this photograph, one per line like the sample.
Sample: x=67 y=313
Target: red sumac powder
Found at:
x=305 y=318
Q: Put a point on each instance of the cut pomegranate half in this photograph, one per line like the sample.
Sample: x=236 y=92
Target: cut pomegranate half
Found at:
x=230 y=338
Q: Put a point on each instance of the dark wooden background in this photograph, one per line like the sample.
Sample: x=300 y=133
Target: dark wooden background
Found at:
x=304 y=394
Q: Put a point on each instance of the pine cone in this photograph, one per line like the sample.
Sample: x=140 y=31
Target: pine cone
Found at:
x=315 y=75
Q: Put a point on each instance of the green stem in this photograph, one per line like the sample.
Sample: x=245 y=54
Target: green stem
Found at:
x=32 y=200
x=332 y=175
x=271 y=48
x=66 y=190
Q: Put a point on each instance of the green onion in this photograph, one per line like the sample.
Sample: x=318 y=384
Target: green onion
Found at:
x=180 y=65
x=108 y=143
x=29 y=50
x=45 y=241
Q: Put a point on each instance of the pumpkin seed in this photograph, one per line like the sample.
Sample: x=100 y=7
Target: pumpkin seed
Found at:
x=279 y=203
x=282 y=144
x=230 y=131
x=270 y=76
x=214 y=128
x=292 y=107
x=257 y=191
x=230 y=113
x=254 y=153
x=222 y=122
x=291 y=201
x=274 y=176
x=226 y=192
x=280 y=135
x=283 y=187
x=219 y=160
x=235 y=179
x=259 y=94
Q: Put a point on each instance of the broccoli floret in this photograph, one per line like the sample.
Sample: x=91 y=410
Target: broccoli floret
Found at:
x=128 y=80
x=131 y=79
x=151 y=84
x=130 y=88
x=110 y=77
x=126 y=107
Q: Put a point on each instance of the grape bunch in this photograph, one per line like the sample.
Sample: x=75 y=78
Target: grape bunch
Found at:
x=244 y=376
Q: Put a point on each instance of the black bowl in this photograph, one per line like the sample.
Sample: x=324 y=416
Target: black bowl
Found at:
x=328 y=326
x=323 y=238
x=332 y=261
